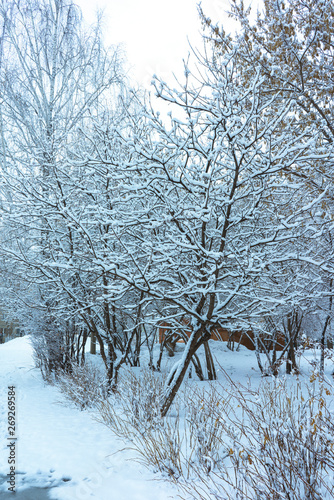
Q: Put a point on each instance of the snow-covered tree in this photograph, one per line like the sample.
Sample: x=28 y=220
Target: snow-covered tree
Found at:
x=55 y=79
x=291 y=44
x=210 y=221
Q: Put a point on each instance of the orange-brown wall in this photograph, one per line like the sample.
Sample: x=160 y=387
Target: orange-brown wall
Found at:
x=238 y=337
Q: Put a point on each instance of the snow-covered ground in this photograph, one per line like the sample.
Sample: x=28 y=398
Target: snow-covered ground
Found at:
x=63 y=447
x=62 y=453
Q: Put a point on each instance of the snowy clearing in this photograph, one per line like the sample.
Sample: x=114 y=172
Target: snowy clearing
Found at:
x=62 y=453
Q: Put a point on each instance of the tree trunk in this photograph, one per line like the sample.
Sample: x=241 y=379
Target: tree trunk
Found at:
x=291 y=357
x=322 y=345
x=209 y=362
x=176 y=376
x=198 y=368
x=292 y=329
x=92 y=343
x=323 y=334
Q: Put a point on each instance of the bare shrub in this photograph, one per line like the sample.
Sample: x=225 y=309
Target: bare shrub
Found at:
x=272 y=443
x=161 y=448
x=171 y=445
x=134 y=414
x=226 y=441
x=206 y=412
x=140 y=397
x=83 y=385
x=277 y=443
x=290 y=446
x=109 y=413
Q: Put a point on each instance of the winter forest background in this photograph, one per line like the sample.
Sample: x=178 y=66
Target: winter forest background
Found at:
x=117 y=218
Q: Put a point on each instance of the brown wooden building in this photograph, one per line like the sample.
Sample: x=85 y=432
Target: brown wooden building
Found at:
x=232 y=337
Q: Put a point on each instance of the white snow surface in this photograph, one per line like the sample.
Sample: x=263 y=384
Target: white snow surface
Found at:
x=61 y=446
x=64 y=449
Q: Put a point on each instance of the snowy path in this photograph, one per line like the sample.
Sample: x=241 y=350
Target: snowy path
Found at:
x=63 y=447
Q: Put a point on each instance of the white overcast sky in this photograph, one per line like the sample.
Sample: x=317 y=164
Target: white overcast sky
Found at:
x=154 y=32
